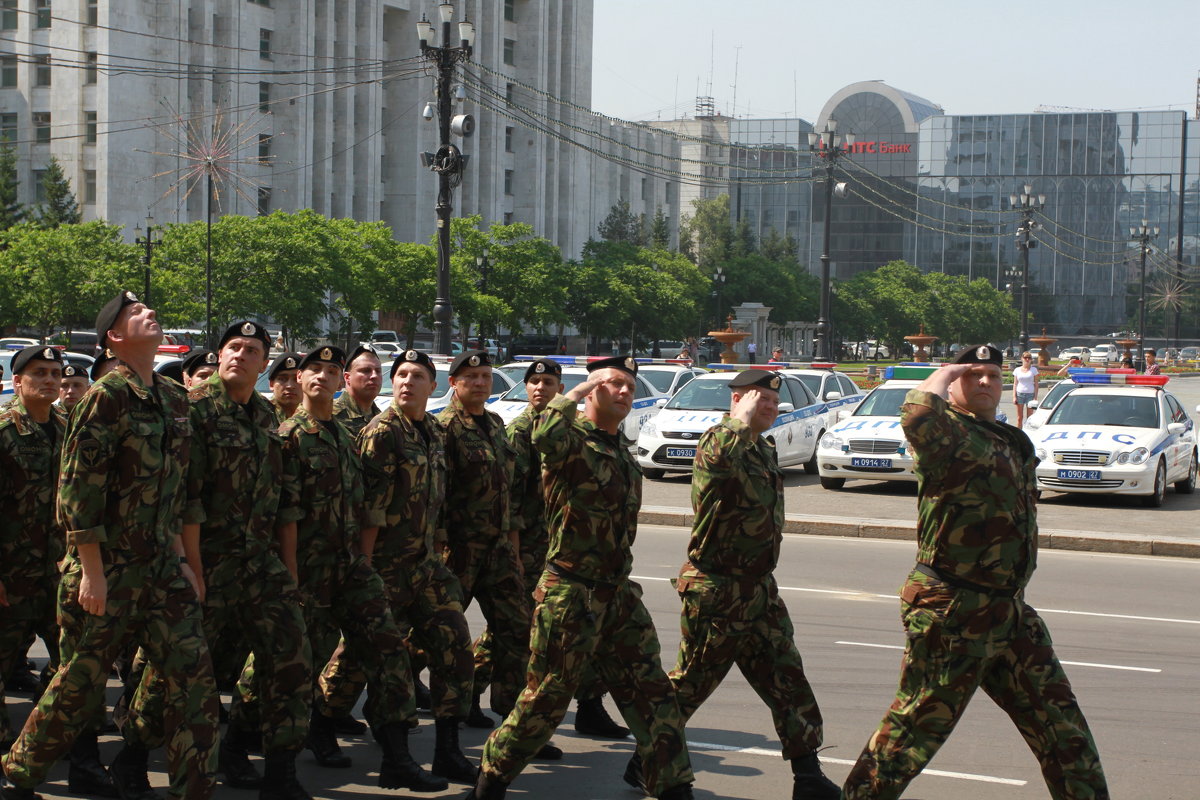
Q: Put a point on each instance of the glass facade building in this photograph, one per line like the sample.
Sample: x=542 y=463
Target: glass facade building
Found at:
x=934 y=189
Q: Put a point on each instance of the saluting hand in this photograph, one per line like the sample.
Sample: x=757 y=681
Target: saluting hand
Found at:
x=746 y=406
x=584 y=389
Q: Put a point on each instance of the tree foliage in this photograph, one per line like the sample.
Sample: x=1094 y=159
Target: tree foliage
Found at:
x=59 y=207
x=11 y=210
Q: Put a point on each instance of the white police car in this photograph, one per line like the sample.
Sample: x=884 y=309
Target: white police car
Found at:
x=869 y=444
x=1117 y=434
x=668 y=442
x=1039 y=410
x=839 y=393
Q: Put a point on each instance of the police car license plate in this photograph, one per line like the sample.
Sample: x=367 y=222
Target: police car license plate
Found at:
x=681 y=452
x=1079 y=474
x=876 y=463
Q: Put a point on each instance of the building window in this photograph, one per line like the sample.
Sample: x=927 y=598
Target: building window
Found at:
x=264 y=200
x=41 y=70
x=510 y=52
x=91 y=68
x=508 y=137
x=8 y=127
x=93 y=12
x=266 y=3
x=8 y=15
x=42 y=8
x=264 y=97
x=264 y=43
x=264 y=149
x=89 y=127
x=89 y=186
x=39 y=187
x=41 y=127
x=510 y=11
x=8 y=72
x=508 y=93
x=508 y=218
x=508 y=181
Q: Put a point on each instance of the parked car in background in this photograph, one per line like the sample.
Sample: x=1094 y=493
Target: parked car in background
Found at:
x=533 y=344
x=1104 y=353
x=1082 y=353
x=1190 y=354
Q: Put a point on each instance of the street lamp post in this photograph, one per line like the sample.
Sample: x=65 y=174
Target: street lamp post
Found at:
x=828 y=145
x=1141 y=236
x=1027 y=203
x=484 y=266
x=448 y=162
x=718 y=280
x=149 y=243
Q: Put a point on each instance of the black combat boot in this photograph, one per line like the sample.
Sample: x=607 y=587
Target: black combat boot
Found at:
x=476 y=718
x=421 y=694
x=85 y=773
x=448 y=759
x=349 y=726
x=681 y=792
x=809 y=783
x=592 y=719
x=634 y=775
x=487 y=788
x=549 y=752
x=234 y=764
x=279 y=778
x=10 y=791
x=128 y=773
x=398 y=770
x=322 y=740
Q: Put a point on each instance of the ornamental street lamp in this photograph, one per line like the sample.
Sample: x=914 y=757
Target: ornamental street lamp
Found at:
x=448 y=162
x=149 y=242
x=828 y=145
x=1141 y=236
x=1027 y=203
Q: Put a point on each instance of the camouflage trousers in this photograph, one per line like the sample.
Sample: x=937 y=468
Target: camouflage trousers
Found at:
x=726 y=622
x=258 y=604
x=427 y=606
x=489 y=573
x=151 y=604
x=574 y=625
x=940 y=673
x=30 y=612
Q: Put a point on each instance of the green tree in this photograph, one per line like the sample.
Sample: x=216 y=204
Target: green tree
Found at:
x=11 y=210
x=622 y=225
x=59 y=207
x=895 y=300
x=660 y=230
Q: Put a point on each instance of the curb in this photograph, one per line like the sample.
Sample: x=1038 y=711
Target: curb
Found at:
x=1048 y=539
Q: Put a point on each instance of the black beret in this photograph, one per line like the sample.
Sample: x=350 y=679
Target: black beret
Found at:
x=331 y=354
x=199 y=358
x=470 y=358
x=172 y=370
x=358 y=351
x=542 y=366
x=284 y=361
x=108 y=315
x=623 y=363
x=36 y=353
x=414 y=357
x=251 y=330
x=758 y=378
x=979 y=354
x=72 y=371
x=102 y=358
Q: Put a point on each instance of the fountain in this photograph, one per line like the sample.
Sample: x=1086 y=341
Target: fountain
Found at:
x=920 y=341
x=1043 y=342
x=729 y=337
x=1128 y=344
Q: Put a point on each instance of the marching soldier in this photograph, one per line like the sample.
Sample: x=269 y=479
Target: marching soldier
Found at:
x=124 y=579
x=404 y=463
x=364 y=376
x=199 y=365
x=481 y=543
x=963 y=606
x=285 y=385
x=587 y=608
x=320 y=517
x=74 y=384
x=732 y=611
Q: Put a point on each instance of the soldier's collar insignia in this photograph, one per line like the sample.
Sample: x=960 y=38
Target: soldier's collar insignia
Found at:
x=473 y=361
x=326 y=354
x=539 y=367
x=248 y=329
x=983 y=354
x=410 y=355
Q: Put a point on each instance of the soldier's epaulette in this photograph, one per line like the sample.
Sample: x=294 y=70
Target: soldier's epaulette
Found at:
x=8 y=416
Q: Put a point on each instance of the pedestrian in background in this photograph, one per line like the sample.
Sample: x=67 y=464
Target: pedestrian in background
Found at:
x=1025 y=386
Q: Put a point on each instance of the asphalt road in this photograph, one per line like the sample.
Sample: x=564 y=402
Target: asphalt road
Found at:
x=1128 y=624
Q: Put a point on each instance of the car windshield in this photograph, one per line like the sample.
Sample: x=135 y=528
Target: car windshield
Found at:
x=1056 y=394
x=813 y=382
x=518 y=394
x=882 y=402
x=701 y=395
x=659 y=378
x=1106 y=409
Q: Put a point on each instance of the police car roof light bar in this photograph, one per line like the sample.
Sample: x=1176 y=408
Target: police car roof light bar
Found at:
x=912 y=372
x=1122 y=380
x=740 y=367
x=1101 y=371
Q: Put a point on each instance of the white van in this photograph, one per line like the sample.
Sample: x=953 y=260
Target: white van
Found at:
x=1104 y=353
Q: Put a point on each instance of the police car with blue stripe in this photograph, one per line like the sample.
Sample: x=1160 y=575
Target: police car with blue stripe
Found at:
x=1117 y=434
x=837 y=390
x=668 y=442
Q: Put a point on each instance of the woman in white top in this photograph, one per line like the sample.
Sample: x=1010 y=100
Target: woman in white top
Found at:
x=1025 y=386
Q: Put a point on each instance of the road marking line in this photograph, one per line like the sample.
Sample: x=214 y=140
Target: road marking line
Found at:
x=847 y=592
x=1070 y=663
x=1119 y=616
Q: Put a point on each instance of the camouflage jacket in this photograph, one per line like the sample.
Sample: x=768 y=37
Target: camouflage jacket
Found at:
x=124 y=465
x=479 y=467
x=527 y=506
x=593 y=490
x=405 y=482
x=277 y=410
x=977 y=517
x=31 y=540
x=737 y=497
x=234 y=475
x=346 y=412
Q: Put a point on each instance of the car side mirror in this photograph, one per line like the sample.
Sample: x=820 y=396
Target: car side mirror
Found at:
x=1176 y=428
x=784 y=408
x=1034 y=405
x=833 y=395
x=660 y=402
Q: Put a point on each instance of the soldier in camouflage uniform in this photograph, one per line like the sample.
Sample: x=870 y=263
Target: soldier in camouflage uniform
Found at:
x=233 y=496
x=481 y=543
x=285 y=387
x=404 y=463
x=74 y=384
x=732 y=611
x=963 y=607
x=120 y=500
x=587 y=608
x=321 y=513
x=198 y=367
x=356 y=405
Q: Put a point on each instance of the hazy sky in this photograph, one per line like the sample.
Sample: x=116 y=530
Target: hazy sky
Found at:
x=970 y=57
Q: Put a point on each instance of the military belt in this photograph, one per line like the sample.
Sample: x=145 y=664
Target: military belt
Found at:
x=557 y=569
x=959 y=583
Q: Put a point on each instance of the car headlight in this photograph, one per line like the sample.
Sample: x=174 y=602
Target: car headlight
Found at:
x=650 y=429
x=1040 y=453
x=831 y=442
x=1137 y=456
